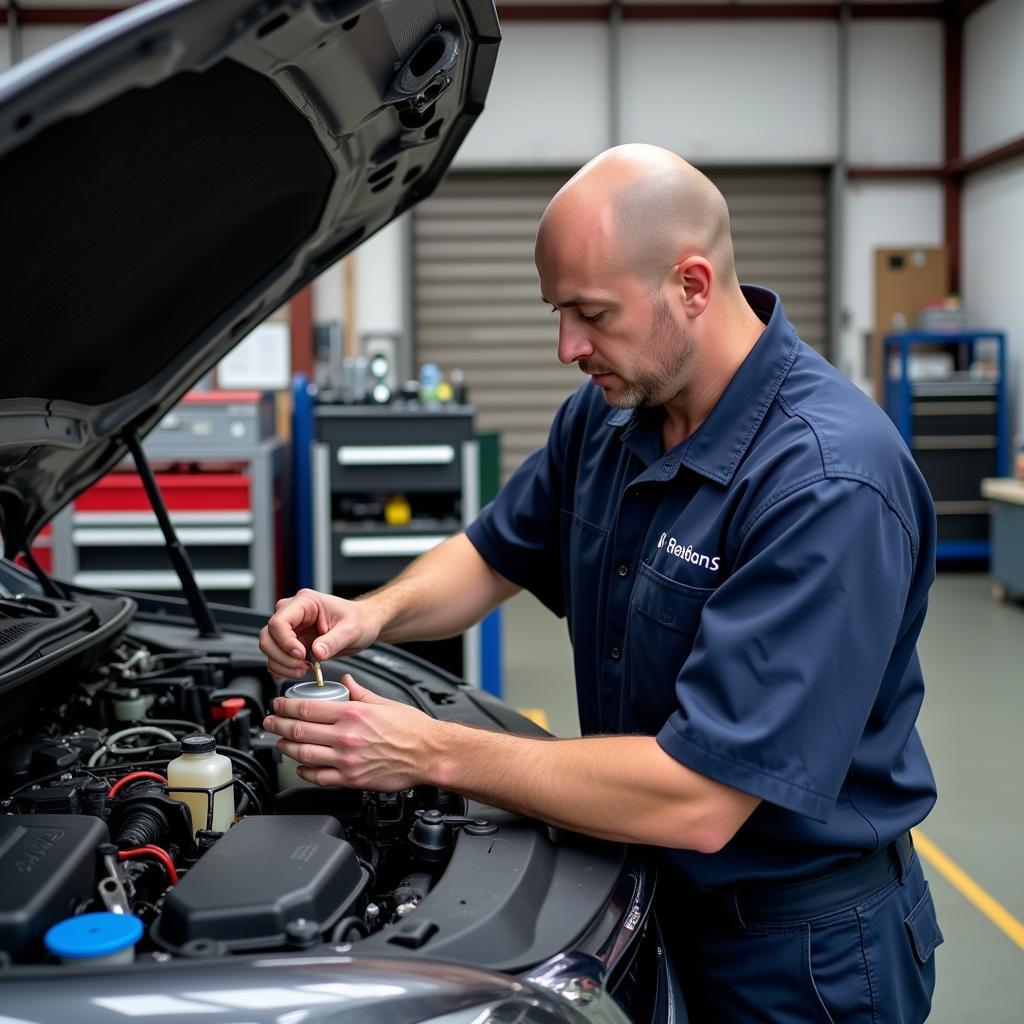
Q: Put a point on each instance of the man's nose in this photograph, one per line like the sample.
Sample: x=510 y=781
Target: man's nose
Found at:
x=572 y=343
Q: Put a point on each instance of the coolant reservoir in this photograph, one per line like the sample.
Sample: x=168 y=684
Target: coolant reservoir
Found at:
x=201 y=767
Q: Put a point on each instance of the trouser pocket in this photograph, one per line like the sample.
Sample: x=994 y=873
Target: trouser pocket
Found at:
x=901 y=934
x=870 y=964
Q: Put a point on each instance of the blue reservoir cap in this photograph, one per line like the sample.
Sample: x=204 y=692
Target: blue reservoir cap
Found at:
x=91 y=935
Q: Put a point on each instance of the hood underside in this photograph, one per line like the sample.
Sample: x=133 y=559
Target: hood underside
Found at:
x=174 y=174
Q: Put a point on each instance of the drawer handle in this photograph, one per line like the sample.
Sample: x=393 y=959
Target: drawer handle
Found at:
x=212 y=579
x=961 y=508
x=388 y=547
x=396 y=455
x=939 y=442
x=100 y=537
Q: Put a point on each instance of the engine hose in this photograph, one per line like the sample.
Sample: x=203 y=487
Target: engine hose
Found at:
x=138 y=730
x=153 y=851
x=142 y=827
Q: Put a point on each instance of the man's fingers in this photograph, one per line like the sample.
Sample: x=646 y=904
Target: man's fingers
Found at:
x=324 y=711
x=321 y=776
x=342 y=638
x=361 y=693
x=287 y=669
x=307 y=753
x=298 y=613
x=300 y=732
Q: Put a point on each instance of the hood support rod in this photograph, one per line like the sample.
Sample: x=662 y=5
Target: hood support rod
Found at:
x=178 y=555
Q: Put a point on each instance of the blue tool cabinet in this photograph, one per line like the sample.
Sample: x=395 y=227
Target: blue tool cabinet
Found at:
x=955 y=424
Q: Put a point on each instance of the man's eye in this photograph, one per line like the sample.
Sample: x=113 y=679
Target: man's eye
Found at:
x=592 y=319
x=554 y=309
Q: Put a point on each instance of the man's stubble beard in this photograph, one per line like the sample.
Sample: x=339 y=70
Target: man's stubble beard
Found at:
x=670 y=342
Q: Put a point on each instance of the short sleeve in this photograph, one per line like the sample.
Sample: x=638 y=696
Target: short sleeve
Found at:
x=517 y=534
x=792 y=647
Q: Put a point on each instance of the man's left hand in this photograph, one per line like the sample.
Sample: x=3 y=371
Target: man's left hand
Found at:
x=367 y=742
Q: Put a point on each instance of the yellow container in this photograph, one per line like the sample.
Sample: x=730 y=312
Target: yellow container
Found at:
x=201 y=767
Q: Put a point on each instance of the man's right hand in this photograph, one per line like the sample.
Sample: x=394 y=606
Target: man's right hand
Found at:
x=328 y=626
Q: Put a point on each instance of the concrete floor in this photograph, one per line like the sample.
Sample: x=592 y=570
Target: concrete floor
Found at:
x=972 y=650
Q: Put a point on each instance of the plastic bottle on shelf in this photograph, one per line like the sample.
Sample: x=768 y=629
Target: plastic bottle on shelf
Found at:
x=201 y=767
x=397 y=510
x=430 y=378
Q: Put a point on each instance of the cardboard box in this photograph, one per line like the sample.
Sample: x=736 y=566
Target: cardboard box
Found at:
x=906 y=277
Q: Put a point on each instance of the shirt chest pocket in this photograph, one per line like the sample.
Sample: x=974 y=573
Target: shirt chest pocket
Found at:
x=663 y=620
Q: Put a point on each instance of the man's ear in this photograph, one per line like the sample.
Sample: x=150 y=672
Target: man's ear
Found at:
x=694 y=276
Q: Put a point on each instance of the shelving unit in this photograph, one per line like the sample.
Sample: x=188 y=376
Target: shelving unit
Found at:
x=363 y=455
x=221 y=474
x=955 y=425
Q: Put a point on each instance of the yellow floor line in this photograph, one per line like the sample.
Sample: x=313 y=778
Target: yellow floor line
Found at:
x=538 y=716
x=969 y=888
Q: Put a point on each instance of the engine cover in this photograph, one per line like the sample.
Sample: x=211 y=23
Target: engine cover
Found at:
x=261 y=877
x=47 y=864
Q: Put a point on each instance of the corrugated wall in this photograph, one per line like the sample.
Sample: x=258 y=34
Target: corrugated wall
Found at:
x=477 y=297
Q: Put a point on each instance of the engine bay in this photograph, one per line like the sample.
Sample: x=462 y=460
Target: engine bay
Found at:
x=89 y=825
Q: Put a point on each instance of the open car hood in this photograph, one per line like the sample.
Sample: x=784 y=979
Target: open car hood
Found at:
x=175 y=173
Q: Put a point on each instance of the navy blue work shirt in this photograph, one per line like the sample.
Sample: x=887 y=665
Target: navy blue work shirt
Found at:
x=751 y=597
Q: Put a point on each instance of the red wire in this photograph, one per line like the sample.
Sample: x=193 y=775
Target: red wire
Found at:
x=153 y=851
x=131 y=777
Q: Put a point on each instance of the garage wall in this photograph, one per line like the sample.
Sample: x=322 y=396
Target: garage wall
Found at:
x=744 y=92
x=717 y=93
x=770 y=104
x=548 y=101
x=993 y=206
x=896 y=81
x=879 y=214
x=993 y=75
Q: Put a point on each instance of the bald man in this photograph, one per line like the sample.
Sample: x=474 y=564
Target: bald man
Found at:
x=742 y=547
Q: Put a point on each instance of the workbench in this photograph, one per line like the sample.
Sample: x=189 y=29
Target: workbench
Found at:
x=1006 y=512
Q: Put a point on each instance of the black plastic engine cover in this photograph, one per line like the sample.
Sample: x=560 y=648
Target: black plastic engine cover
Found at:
x=48 y=864
x=260 y=876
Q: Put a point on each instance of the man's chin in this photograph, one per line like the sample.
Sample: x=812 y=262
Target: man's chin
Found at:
x=628 y=399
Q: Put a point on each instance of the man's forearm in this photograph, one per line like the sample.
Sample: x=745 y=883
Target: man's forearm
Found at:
x=622 y=788
x=442 y=593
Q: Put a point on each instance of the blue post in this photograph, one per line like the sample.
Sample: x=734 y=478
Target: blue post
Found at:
x=302 y=479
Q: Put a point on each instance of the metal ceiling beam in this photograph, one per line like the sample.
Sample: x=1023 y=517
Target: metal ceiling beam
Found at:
x=602 y=11
x=719 y=11
x=982 y=161
x=61 y=15
x=896 y=173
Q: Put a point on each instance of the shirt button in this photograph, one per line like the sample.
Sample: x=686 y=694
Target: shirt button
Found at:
x=623 y=570
x=616 y=654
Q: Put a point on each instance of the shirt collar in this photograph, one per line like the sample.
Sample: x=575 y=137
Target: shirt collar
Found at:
x=718 y=445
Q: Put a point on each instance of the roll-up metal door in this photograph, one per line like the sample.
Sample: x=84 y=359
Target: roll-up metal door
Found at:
x=477 y=297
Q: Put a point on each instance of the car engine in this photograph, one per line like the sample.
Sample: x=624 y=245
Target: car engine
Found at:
x=87 y=823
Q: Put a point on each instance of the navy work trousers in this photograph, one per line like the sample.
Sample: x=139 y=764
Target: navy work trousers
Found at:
x=871 y=962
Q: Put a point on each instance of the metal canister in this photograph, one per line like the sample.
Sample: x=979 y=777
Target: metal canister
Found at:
x=314 y=691
x=287 y=776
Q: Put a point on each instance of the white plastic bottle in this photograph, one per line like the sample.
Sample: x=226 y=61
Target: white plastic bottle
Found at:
x=201 y=767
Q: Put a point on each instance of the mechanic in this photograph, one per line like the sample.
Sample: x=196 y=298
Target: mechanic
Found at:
x=742 y=546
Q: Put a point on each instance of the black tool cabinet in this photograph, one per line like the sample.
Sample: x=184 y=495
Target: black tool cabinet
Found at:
x=956 y=426
x=366 y=456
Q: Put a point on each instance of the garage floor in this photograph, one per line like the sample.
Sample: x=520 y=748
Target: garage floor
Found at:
x=972 y=722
